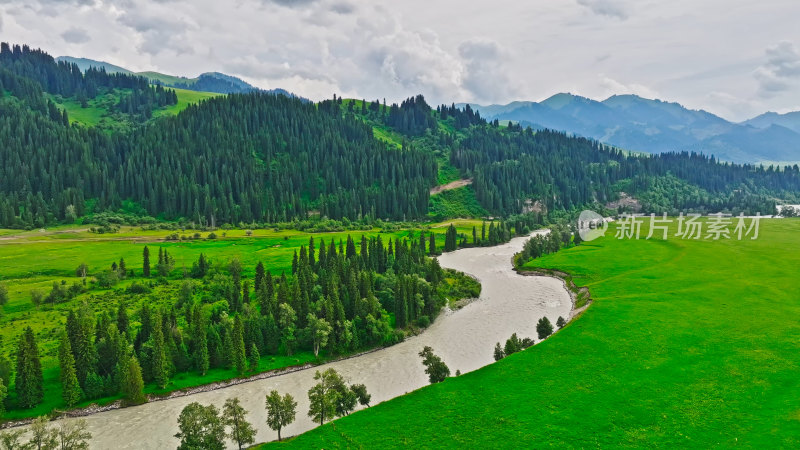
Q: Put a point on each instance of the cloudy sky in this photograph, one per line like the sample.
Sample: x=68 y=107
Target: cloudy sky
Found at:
x=735 y=58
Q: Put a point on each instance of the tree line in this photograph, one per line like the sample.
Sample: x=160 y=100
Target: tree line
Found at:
x=335 y=300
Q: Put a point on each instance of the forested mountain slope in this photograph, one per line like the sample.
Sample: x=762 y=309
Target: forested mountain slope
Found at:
x=265 y=158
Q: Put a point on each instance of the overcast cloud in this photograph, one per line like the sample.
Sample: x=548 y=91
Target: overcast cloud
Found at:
x=734 y=58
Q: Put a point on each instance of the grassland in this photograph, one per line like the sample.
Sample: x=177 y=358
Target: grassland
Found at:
x=34 y=260
x=167 y=79
x=98 y=110
x=689 y=344
x=460 y=202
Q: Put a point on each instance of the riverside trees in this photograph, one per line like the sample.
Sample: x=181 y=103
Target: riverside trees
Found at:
x=281 y=411
x=436 y=369
x=335 y=302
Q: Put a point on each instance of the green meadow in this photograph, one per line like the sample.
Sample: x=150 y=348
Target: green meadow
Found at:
x=98 y=110
x=34 y=260
x=688 y=344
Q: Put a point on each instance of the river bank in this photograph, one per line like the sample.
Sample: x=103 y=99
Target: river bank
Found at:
x=464 y=338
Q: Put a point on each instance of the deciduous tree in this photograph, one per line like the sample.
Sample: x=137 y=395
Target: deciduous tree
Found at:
x=200 y=428
x=235 y=417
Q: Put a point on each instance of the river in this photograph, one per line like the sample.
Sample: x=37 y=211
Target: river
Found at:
x=465 y=339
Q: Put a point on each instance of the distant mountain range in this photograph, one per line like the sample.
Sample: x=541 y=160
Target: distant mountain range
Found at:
x=205 y=82
x=654 y=126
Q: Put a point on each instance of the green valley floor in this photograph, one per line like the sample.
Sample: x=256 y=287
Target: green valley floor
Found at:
x=689 y=344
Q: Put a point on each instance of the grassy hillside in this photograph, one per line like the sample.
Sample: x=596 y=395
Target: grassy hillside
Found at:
x=185 y=98
x=691 y=344
x=166 y=79
x=98 y=110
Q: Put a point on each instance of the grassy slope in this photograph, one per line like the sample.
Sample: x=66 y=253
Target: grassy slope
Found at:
x=97 y=113
x=688 y=344
x=185 y=98
x=33 y=260
x=167 y=79
x=460 y=202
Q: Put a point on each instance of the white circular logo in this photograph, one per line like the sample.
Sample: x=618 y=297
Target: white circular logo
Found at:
x=591 y=225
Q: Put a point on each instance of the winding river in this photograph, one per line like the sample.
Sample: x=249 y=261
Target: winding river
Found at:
x=465 y=339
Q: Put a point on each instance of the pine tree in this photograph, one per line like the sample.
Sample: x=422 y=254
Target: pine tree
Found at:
x=160 y=367
x=29 y=371
x=239 y=355
x=200 y=340
x=259 y=278
x=146 y=262
x=70 y=388
x=253 y=357
x=432 y=244
x=133 y=386
x=498 y=352
x=544 y=328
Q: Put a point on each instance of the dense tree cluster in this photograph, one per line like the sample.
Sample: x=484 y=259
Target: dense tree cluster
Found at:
x=335 y=299
x=412 y=117
x=241 y=158
x=559 y=237
x=67 y=80
x=462 y=118
x=511 y=166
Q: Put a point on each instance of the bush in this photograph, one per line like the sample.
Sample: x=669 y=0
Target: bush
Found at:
x=107 y=278
x=137 y=288
x=423 y=322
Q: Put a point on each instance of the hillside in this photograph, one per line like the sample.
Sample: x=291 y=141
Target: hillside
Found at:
x=215 y=82
x=286 y=159
x=654 y=126
x=678 y=349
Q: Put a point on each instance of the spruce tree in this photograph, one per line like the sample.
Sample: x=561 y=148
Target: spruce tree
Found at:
x=146 y=262
x=544 y=328
x=200 y=340
x=253 y=357
x=133 y=385
x=29 y=371
x=70 y=388
x=239 y=355
x=160 y=367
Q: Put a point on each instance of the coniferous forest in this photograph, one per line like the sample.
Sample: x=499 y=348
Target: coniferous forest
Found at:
x=269 y=158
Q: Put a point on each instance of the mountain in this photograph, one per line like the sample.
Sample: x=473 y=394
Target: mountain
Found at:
x=654 y=126
x=789 y=120
x=86 y=63
x=206 y=82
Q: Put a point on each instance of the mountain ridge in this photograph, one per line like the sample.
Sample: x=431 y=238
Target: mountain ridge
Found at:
x=216 y=82
x=655 y=126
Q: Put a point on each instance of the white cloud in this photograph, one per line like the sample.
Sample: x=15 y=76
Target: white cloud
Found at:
x=448 y=50
x=781 y=71
x=611 y=8
x=612 y=86
x=75 y=36
x=485 y=72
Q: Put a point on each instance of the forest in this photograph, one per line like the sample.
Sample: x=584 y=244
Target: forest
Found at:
x=267 y=158
x=339 y=298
